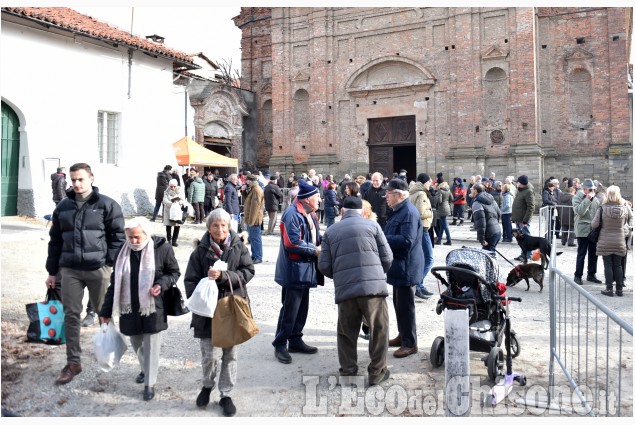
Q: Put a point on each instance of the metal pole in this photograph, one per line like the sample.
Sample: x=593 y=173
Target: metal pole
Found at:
x=185 y=110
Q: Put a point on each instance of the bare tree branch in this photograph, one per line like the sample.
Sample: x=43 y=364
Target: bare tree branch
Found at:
x=227 y=74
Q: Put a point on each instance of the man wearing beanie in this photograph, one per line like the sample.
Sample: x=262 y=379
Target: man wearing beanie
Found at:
x=253 y=205
x=404 y=234
x=296 y=271
x=419 y=198
x=522 y=210
x=356 y=255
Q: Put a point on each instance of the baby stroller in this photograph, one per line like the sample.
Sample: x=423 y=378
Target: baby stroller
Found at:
x=472 y=284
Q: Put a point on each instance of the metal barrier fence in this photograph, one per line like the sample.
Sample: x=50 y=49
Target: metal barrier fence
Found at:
x=589 y=344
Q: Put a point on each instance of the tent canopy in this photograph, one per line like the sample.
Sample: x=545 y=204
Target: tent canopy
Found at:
x=188 y=152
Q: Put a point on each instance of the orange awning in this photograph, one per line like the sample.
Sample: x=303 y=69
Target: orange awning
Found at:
x=188 y=152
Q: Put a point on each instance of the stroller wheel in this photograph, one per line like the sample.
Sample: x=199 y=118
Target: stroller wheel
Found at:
x=514 y=344
x=437 y=352
x=495 y=363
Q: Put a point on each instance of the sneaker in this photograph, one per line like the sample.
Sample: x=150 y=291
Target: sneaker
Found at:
x=607 y=292
x=577 y=280
x=89 y=320
x=203 y=397
x=593 y=279
x=228 y=406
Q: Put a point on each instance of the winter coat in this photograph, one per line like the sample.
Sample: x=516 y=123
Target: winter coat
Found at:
x=330 y=201
x=166 y=274
x=273 y=197
x=460 y=194
x=549 y=198
x=404 y=234
x=435 y=199
x=523 y=206
x=168 y=197
x=86 y=238
x=239 y=264
x=363 y=188
x=163 y=180
x=584 y=211
x=377 y=200
x=296 y=266
x=254 y=200
x=321 y=192
x=230 y=195
x=211 y=188
x=58 y=184
x=565 y=214
x=444 y=209
x=419 y=198
x=196 y=191
x=486 y=216
x=507 y=199
x=356 y=255
x=612 y=240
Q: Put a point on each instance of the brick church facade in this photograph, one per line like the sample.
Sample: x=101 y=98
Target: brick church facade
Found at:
x=463 y=91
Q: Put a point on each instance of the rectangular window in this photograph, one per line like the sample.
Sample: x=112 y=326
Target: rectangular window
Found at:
x=108 y=137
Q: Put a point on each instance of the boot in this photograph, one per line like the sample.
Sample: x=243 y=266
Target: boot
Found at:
x=461 y=222
x=168 y=233
x=608 y=292
x=453 y=222
x=175 y=235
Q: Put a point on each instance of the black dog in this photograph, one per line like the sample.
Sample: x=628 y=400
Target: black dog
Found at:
x=530 y=243
x=525 y=271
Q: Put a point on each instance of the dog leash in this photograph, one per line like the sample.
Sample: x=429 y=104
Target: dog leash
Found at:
x=498 y=252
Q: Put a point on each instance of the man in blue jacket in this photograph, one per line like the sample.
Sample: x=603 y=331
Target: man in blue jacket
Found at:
x=404 y=233
x=296 y=271
x=87 y=231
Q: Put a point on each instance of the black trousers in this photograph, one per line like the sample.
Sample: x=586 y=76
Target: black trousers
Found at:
x=292 y=318
x=403 y=300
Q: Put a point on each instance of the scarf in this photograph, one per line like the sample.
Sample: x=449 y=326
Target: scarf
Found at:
x=121 y=298
x=216 y=248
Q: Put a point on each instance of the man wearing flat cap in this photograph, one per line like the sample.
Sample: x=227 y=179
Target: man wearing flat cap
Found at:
x=404 y=233
x=522 y=210
x=296 y=271
x=356 y=255
x=585 y=204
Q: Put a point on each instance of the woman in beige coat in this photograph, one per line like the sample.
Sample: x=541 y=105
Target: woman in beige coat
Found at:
x=614 y=216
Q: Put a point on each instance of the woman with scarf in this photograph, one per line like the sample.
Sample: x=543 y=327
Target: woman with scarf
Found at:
x=174 y=193
x=219 y=245
x=144 y=268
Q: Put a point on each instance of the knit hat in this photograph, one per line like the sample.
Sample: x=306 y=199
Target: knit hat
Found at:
x=524 y=180
x=397 y=184
x=306 y=190
x=352 y=203
x=423 y=178
x=440 y=178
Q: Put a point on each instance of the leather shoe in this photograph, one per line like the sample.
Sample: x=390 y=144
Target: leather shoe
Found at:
x=257 y=261
x=405 y=351
x=593 y=279
x=148 y=393
x=68 y=373
x=447 y=243
x=385 y=377
x=608 y=292
x=420 y=294
x=520 y=258
x=203 y=397
x=619 y=293
x=301 y=347
x=395 y=342
x=577 y=280
x=140 y=378
x=283 y=355
x=228 y=406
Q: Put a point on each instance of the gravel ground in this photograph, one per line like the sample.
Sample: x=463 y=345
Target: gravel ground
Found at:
x=306 y=387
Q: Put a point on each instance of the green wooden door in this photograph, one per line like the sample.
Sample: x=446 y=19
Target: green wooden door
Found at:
x=10 y=160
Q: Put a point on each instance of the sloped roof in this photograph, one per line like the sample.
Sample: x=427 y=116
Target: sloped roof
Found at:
x=73 y=21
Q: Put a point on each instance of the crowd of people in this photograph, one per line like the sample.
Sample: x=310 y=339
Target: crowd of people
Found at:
x=380 y=231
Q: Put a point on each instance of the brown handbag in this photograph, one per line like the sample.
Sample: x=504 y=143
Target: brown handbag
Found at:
x=233 y=322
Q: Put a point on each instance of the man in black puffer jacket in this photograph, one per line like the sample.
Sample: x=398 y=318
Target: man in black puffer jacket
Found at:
x=355 y=253
x=487 y=215
x=87 y=232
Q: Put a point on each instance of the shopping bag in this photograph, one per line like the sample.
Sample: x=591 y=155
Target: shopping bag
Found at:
x=233 y=322
x=46 y=320
x=110 y=345
x=204 y=297
x=173 y=302
x=175 y=212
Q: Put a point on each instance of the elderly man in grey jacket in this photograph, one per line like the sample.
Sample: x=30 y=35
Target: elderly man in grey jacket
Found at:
x=356 y=255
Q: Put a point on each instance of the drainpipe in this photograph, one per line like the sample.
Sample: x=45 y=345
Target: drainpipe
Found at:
x=129 y=72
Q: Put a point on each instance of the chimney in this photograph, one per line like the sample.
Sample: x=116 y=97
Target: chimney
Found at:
x=155 y=38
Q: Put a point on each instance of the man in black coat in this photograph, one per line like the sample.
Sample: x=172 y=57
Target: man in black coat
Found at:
x=58 y=184
x=273 y=199
x=211 y=193
x=376 y=196
x=163 y=178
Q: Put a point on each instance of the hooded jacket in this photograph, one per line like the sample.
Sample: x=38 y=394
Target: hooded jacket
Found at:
x=356 y=255
x=444 y=210
x=166 y=274
x=486 y=216
x=196 y=191
x=58 y=184
x=419 y=198
x=612 y=240
x=230 y=195
x=523 y=206
x=163 y=181
x=239 y=265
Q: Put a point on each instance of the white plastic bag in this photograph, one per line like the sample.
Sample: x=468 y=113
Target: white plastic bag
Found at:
x=110 y=345
x=175 y=212
x=204 y=297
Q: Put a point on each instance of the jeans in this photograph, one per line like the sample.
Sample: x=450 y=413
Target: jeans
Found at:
x=157 y=207
x=492 y=241
x=428 y=256
x=506 y=220
x=255 y=239
x=443 y=227
x=330 y=221
x=585 y=246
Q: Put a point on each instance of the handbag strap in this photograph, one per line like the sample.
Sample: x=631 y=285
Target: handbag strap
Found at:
x=239 y=283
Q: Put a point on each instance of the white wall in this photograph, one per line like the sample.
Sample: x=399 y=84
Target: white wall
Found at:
x=56 y=84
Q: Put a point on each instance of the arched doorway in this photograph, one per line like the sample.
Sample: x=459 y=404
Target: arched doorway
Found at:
x=10 y=160
x=392 y=145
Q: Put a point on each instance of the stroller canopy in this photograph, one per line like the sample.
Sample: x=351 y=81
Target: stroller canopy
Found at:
x=476 y=260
